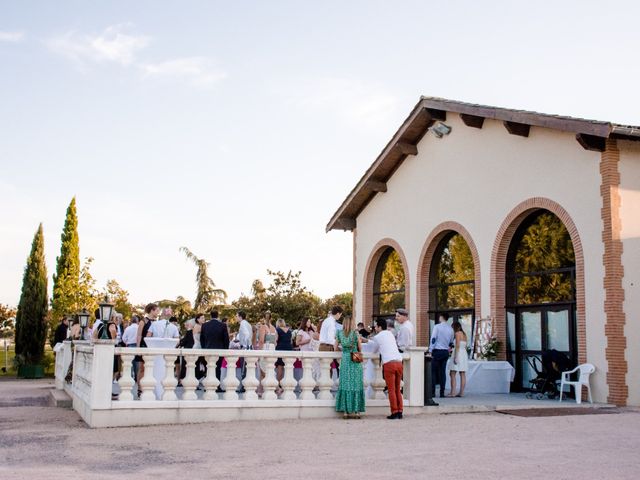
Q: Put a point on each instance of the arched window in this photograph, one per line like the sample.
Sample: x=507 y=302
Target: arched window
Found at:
x=388 y=285
x=451 y=282
x=540 y=293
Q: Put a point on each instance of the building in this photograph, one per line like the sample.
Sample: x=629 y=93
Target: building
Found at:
x=527 y=218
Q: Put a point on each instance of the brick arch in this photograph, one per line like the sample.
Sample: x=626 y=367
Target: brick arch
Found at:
x=370 y=273
x=424 y=267
x=499 y=264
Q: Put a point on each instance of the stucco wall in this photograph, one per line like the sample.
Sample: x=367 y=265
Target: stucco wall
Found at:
x=476 y=177
x=630 y=236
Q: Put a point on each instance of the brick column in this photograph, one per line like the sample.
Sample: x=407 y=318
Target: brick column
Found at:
x=613 y=274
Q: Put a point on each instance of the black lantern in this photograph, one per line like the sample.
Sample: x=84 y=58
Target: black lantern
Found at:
x=106 y=309
x=83 y=317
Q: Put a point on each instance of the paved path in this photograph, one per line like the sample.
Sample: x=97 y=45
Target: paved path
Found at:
x=45 y=442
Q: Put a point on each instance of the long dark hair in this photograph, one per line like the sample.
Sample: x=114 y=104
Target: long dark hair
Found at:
x=303 y=324
x=457 y=327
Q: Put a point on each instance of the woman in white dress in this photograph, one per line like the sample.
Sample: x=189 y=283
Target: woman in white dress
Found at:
x=460 y=363
x=197 y=328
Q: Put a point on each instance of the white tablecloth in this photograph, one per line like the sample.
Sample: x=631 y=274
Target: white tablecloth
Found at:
x=485 y=377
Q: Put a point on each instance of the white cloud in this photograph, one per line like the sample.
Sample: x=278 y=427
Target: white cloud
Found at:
x=356 y=101
x=11 y=37
x=112 y=45
x=198 y=71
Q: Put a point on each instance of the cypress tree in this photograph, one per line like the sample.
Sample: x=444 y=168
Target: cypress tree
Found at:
x=31 y=324
x=67 y=277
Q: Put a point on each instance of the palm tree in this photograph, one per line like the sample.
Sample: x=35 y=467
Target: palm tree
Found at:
x=207 y=293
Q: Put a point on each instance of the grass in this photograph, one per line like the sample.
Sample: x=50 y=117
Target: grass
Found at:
x=11 y=353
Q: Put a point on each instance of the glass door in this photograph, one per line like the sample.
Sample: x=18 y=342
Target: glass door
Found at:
x=530 y=331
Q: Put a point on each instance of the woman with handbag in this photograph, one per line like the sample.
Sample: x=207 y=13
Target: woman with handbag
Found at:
x=350 y=396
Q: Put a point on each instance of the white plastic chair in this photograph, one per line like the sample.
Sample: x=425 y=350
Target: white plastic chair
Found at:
x=585 y=369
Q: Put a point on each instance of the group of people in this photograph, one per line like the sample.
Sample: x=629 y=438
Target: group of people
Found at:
x=388 y=338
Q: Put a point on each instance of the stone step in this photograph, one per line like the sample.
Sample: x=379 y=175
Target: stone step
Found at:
x=59 y=398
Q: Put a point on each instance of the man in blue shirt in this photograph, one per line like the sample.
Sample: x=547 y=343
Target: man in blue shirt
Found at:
x=440 y=345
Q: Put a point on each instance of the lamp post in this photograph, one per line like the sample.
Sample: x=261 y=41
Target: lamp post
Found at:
x=106 y=309
x=83 y=316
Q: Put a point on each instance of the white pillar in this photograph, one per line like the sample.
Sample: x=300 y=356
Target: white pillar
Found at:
x=325 y=382
x=270 y=382
x=307 y=382
x=415 y=376
x=288 y=381
x=251 y=381
x=148 y=382
x=169 y=382
x=102 y=374
x=211 y=382
x=190 y=382
x=126 y=382
x=231 y=381
x=378 y=383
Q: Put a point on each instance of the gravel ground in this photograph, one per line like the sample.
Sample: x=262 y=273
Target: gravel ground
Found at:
x=53 y=443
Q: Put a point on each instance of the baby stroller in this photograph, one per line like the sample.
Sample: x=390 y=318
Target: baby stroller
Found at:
x=548 y=371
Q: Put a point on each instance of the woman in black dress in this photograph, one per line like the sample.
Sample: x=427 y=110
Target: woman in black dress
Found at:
x=283 y=342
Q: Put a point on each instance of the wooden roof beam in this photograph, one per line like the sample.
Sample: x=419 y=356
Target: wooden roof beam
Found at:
x=345 y=223
x=520 y=129
x=437 y=114
x=407 y=148
x=472 y=120
x=591 y=142
x=376 y=186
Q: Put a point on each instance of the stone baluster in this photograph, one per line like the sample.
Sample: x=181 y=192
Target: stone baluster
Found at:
x=288 y=382
x=270 y=382
x=307 y=382
x=148 y=381
x=126 y=382
x=231 y=381
x=325 y=382
x=251 y=381
x=169 y=382
x=190 y=382
x=378 y=383
x=211 y=382
x=365 y=380
x=335 y=379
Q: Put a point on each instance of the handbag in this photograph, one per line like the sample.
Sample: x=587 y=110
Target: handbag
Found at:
x=357 y=357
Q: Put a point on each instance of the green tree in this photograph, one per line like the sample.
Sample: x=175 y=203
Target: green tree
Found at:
x=345 y=300
x=31 y=317
x=455 y=265
x=88 y=295
x=181 y=308
x=67 y=277
x=119 y=297
x=207 y=294
x=392 y=281
x=7 y=321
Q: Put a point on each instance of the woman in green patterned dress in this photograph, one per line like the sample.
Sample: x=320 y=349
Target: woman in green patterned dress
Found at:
x=350 y=396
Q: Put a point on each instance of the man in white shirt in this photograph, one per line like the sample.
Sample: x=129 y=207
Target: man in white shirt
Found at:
x=245 y=332
x=163 y=328
x=329 y=328
x=385 y=343
x=406 y=332
x=131 y=333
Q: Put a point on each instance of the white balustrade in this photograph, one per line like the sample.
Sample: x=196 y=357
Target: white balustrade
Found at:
x=378 y=382
x=270 y=381
x=307 y=383
x=169 y=382
x=93 y=367
x=148 y=382
x=325 y=382
x=126 y=381
x=211 y=382
x=251 y=381
x=190 y=382
x=231 y=382
x=288 y=382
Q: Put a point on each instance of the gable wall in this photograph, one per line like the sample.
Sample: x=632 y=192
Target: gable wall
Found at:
x=475 y=177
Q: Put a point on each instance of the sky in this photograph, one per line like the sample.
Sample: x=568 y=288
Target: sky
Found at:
x=238 y=128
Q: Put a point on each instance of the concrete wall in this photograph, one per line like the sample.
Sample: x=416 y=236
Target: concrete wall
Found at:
x=476 y=177
x=630 y=236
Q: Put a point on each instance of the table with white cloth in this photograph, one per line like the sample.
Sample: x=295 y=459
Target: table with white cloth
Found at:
x=485 y=377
